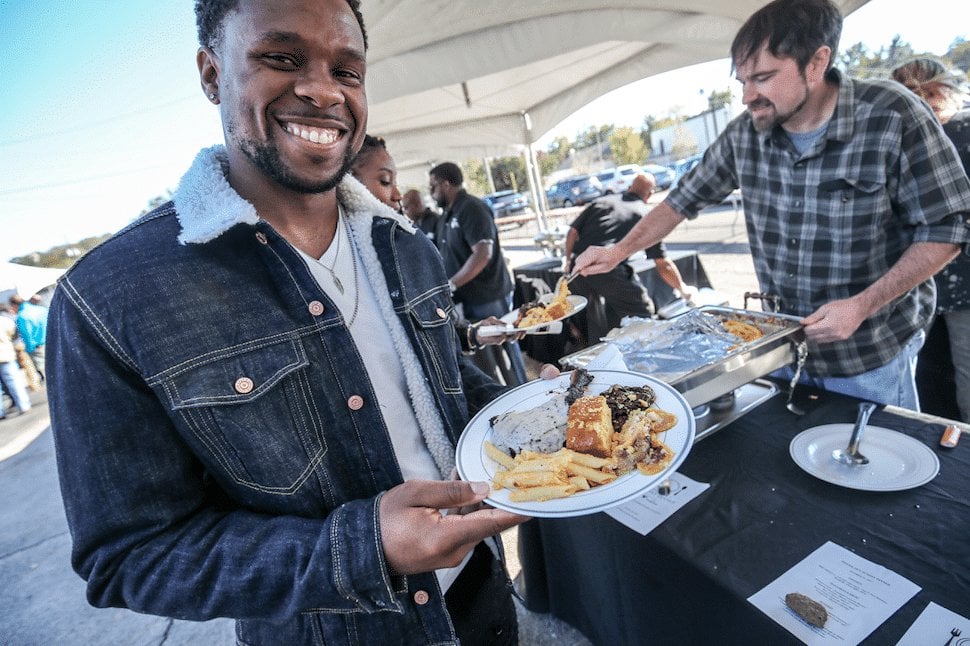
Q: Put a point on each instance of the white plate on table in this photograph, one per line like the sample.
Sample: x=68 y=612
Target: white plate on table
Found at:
x=473 y=464
x=896 y=460
x=577 y=303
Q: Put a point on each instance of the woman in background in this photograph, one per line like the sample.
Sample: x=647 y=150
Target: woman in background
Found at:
x=943 y=370
x=374 y=168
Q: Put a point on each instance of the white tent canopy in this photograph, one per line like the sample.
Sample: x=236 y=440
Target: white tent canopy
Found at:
x=450 y=80
x=25 y=280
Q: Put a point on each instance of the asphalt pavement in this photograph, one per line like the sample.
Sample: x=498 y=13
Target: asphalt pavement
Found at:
x=42 y=601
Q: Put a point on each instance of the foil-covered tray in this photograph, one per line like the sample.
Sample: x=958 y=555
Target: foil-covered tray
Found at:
x=694 y=354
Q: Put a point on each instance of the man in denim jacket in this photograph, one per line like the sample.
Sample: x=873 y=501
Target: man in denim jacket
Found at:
x=256 y=388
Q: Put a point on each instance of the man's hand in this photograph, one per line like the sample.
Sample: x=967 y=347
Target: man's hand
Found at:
x=597 y=260
x=418 y=537
x=495 y=339
x=835 y=321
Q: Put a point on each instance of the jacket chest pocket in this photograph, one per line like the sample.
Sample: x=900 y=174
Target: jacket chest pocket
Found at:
x=252 y=412
x=435 y=330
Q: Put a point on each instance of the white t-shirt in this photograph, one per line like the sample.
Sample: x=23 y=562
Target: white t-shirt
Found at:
x=363 y=316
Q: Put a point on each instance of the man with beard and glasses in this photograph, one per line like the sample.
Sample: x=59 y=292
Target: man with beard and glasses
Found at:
x=853 y=199
x=467 y=238
x=255 y=389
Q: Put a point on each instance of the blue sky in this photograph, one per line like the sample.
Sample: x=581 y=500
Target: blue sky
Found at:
x=102 y=109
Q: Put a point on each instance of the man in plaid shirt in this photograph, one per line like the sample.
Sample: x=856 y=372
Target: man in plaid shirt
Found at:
x=853 y=198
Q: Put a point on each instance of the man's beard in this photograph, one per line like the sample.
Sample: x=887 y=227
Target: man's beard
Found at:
x=267 y=159
x=442 y=202
x=765 y=124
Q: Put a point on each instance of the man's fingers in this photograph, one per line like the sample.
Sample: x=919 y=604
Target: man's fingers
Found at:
x=549 y=371
x=472 y=527
x=434 y=494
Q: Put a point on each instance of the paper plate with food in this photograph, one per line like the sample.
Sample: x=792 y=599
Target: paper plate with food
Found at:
x=550 y=308
x=578 y=444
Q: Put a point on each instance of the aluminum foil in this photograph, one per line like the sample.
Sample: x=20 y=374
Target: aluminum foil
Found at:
x=671 y=348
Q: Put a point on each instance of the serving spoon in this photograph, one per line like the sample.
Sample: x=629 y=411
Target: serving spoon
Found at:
x=850 y=455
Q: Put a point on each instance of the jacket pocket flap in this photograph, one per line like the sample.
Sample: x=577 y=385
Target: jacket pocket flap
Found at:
x=434 y=311
x=235 y=377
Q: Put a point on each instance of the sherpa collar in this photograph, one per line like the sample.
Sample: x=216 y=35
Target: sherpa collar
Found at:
x=207 y=206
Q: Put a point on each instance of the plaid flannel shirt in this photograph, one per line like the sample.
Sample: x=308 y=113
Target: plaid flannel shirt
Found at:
x=826 y=224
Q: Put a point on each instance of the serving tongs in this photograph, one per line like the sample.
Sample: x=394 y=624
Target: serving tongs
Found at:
x=568 y=278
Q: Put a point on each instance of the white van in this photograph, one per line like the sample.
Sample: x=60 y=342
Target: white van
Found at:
x=617 y=180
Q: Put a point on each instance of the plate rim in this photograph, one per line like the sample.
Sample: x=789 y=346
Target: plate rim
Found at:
x=509 y=317
x=535 y=509
x=879 y=430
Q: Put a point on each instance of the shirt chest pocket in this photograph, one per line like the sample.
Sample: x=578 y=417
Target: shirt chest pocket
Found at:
x=852 y=211
x=252 y=412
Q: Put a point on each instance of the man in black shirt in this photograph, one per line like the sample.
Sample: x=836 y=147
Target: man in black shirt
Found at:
x=606 y=220
x=423 y=217
x=468 y=241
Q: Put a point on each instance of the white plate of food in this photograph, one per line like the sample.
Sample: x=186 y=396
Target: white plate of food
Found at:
x=548 y=310
x=540 y=406
x=896 y=461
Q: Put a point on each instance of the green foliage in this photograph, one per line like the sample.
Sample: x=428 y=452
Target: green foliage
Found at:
x=61 y=256
x=475 y=180
x=959 y=54
x=508 y=173
x=627 y=146
x=717 y=100
x=593 y=136
x=553 y=157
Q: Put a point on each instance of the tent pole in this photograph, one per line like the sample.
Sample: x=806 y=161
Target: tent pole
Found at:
x=488 y=175
x=532 y=173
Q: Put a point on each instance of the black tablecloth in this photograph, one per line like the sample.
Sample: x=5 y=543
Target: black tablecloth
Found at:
x=688 y=581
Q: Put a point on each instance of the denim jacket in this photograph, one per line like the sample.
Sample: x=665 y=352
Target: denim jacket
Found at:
x=220 y=448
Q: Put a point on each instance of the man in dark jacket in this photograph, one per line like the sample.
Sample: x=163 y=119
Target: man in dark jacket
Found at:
x=255 y=389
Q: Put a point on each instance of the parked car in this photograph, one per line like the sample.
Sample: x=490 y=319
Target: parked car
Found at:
x=574 y=191
x=617 y=180
x=504 y=203
x=681 y=166
x=664 y=176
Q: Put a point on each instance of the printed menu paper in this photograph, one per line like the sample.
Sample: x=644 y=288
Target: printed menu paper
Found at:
x=648 y=510
x=858 y=595
x=937 y=625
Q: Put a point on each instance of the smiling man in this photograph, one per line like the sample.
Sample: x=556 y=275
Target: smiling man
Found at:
x=852 y=195
x=256 y=389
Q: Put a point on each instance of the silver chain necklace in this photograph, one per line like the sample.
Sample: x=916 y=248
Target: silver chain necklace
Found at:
x=353 y=259
x=336 y=255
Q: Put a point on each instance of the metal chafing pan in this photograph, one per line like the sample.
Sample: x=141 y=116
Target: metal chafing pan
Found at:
x=711 y=379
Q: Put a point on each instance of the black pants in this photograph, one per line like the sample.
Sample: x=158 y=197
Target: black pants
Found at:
x=623 y=295
x=480 y=602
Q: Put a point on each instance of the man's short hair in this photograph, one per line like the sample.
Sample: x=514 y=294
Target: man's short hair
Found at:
x=790 y=29
x=209 y=15
x=449 y=172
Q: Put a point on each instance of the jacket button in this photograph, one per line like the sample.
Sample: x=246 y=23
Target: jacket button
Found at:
x=421 y=597
x=441 y=313
x=261 y=237
x=316 y=308
x=243 y=385
x=356 y=402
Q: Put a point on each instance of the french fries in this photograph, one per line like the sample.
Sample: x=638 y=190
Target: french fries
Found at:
x=535 y=477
